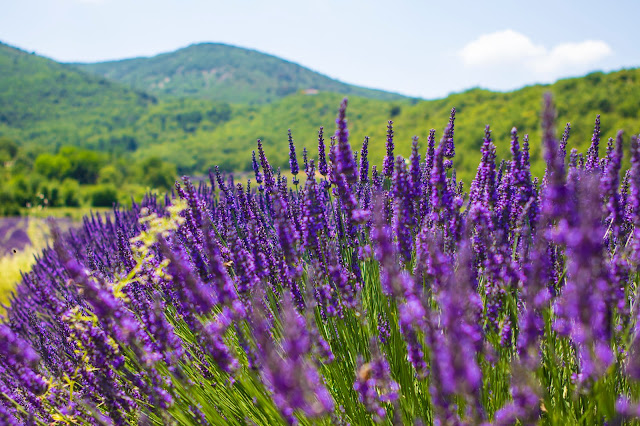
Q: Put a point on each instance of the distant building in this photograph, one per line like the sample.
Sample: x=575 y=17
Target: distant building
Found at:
x=310 y=91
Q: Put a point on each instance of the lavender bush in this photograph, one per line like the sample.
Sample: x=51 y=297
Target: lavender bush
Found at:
x=392 y=297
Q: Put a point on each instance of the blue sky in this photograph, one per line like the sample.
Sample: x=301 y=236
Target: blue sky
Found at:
x=418 y=48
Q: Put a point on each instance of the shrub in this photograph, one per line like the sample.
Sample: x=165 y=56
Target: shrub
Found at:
x=104 y=196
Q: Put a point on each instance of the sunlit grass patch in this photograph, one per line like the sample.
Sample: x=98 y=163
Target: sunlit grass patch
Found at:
x=17 y=260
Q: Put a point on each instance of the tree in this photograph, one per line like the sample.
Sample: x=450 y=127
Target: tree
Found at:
x=52 y=166
x=8 y=146
x=104 y=196
x=158 y=174
x=85 y=164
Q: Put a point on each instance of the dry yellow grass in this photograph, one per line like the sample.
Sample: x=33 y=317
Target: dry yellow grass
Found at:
x=13 y=264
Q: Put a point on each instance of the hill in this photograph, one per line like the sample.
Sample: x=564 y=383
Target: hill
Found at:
x=226 y=73
x=45 y=106
x=51 y=103
x=579 y=100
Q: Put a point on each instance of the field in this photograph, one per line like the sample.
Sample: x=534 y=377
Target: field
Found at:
x=346 y=293
x=20 y=240
x=23 y=238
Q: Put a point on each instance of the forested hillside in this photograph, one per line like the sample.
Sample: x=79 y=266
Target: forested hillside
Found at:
x=579 y=101
x=61 y=127
x=224 y=73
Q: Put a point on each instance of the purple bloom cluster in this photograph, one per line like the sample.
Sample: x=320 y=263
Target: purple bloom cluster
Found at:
x=385 y=296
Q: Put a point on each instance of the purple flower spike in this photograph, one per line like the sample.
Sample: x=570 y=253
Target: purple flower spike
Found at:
x=610 y=183
x=322 y=157
x=215 y=345
x=582 y=310
x=483 y=187
x=450 y=151
x=18 y=355
x=414 y=170
x=593 y=160
x=305 y=159
x=389 y=160
x=293 y=160
x=344 y=158
x=364 y=161
x=288 y=373
x=403 y=219
x=555 y=199
x=374 y=385
x=256 y=168
x=634 y=199
x=266 y=168
x=564 y=140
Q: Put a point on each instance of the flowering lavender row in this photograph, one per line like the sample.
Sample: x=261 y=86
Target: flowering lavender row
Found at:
x=363 y=295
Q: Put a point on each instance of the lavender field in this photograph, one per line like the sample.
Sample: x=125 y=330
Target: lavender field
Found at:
x=353 y=294
x=13 y=235
x=21 y=239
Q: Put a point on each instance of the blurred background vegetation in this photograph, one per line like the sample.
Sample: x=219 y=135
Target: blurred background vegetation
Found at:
x=75 y=137
x=79 y=135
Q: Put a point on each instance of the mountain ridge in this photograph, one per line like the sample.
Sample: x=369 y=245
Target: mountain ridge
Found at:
x=223 y=72
x=45 y=105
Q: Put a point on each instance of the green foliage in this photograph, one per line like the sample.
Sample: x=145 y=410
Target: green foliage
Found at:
x=69 y=193
x=38 y=97
x=104 y=196
x=52 y=166
x=8 y=204
x=47 y=113
x=110 y=174
x=8 y=148
x=189 y=121
x=223 y=73
x=157 y=173
x=85 y=164
x=117 y=144
x=81 y=165
x=219 y=113
x=49 y=195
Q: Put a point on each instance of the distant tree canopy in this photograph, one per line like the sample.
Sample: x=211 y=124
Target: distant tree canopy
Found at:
x=104 y=196
x=70 y=162
x=157 y=173
x=60 y=124
x=52 y=166
x=8 y=148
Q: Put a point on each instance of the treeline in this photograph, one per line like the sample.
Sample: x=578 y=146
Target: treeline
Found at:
x=119 y=132
x=74 y=177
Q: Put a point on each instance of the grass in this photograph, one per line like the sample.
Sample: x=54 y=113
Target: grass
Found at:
x=17 y=262
x=74 y=213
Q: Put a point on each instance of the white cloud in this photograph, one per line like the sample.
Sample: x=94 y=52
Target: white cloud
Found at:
x=516 y=50
x=499 y=48
x=572 y=55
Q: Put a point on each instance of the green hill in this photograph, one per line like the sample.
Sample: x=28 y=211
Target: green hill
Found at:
x=224 y=73
x=45 y=105
x=614 y=96
x=41 y=100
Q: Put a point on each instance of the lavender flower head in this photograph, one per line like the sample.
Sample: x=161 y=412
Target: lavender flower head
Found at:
x=364 y=161
x=450 y=151
x=592 y=163
x=256 y=168
x=322 y=156
x=345 y=160
x=293 y=160
x=389 y=160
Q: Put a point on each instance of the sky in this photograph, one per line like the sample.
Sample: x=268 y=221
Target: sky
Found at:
x=424 y=49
